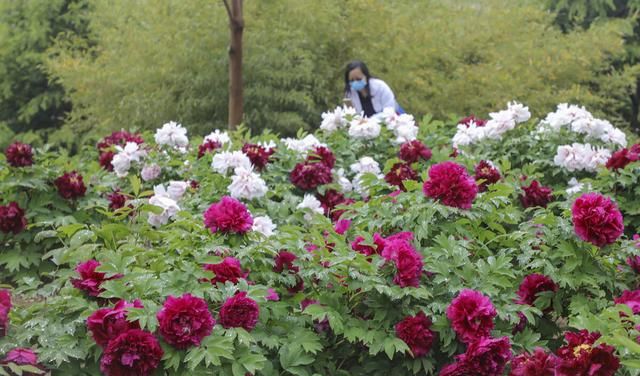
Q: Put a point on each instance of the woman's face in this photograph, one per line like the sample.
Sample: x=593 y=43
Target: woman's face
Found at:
x=356 y=75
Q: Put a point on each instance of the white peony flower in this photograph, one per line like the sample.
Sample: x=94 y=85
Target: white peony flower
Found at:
x=577 y=157
x=263 y=225
x=575 y=187
x=405 y=133
x=219 y=137
x=122 y=161
x=615 y=136
x=366 y=164
x=267 y=145
x=150 y=172
x=302 y=146
x=311 y=204
x=247 y=184
x=176 y=189
x=332 y=121
x=519 y=112
x=364 y=128
x=170 y=209
x=345 y=184
x=172 y=134
x=229 y=160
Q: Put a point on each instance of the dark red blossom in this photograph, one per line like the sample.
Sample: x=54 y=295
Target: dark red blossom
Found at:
x=5 y=307
x=119 y=138
x=416 y=332
x=70 y=185
x=532 y=285
x=471 y=315
x=310 y=175
x=239 y=311
x=484 y=357
x=579 y=357
x=472 y=119
x=597 y=219
x=413 y=151
x=117 y=200
x=106 y=324
x=207 y=147
x=450 y=184
x=324 y=155
x=185 y=321
x=538 y=363
x=90 y=281
x=486 y=174
x=621 y=158
x=399 y=173
x=536 y=195
x=105 y=160
x=132 y=353
x=284 y=261
x=12 y=218
x=330 y=200
x=229 y=269
x=19 y=155
x=631 y=299
x=258 y=154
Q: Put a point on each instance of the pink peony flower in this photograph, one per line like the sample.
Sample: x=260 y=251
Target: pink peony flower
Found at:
x=21 y=356
x=634 y=263
x=416 y=332
x=484 y=357
x=399 y=173
x=70 y=185
x=310 y=175
x=324 y=155
x=407 y=260
x=257 y=154
x=19 y=155
x=106 y=324
x=536 y=195
x=471 y=315
x=413 y=151
x=229 y=269
x=12 y=218
x=631 y=299
x=272 y=295
x=239 y=312
x=208 y=146
x=539 y=363
x=90 y=280
x=133 y=353
x=228 y=216
x=342 y=226
x=580 y=357
x=450 y=184
x=486 y=174
x=185 y=321
x=596 y=219
x=5 y=307
x=532 y=285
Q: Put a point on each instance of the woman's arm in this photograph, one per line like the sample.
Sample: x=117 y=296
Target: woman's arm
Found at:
x=383 y=95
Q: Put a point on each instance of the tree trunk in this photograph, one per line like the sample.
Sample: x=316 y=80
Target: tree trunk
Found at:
x=635 y=104
x=236 y=26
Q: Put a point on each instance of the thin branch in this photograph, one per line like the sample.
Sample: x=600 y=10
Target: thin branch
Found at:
x=226 y=5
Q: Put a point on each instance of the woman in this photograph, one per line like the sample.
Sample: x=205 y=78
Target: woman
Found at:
x=367 y=94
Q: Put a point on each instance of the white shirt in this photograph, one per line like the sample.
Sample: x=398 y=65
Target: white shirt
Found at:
x=381 y=96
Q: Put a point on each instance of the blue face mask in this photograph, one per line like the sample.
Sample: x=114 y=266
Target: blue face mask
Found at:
x=358 y=85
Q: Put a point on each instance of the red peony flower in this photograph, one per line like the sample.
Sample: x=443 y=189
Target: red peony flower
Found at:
x=366 y=250
x=309 y=175
x=532 y=285
x=330 y=200
x=117 y=200
x=12 y=218
x=239 y=312
x=631 y=299
x=320 y=326
x=228 y=216
x=207 y=147
x=486 y=174
x=634 y=263
x=536 y=195
x=399 y=173
x=257 y=154
x=450 y=184
x=416 y=332
x=105 y=160
x=324 y=155
x=19 y=154
x=580 y=357
x=471 y=118
x=90 y=280
x=484 y=357
x=539 y=363
x=185 y=321
x=471 y=315
x=596 y=219
x=106 y=324
x=5 y=307
x=228 y=269
x=70 y=185
x=413 y=151
x=621 y=158
x=284 y=260
x=119 y=138
x=133 y=353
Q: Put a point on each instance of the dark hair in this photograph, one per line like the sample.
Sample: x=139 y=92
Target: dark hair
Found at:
x=351 y=66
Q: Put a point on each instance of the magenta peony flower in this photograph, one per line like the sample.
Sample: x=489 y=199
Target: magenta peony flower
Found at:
x=19 y=155
x=416 y=332
x=90 y=280
x=185 y=321
x=239 y=312
x=532 y=285
x=472 y=119
x=580 y=357
x=284 y=261
x=486 y=174
x=132 y=353
x=324 y=155
x=309 y=175
x=413 y=151
x=399 y=173
x=229 y=269
x=631 y=299
x=596 y=219
x=634 y=263
x=484 y=357
x=621 y=158
x=70 y=185
x=12 y=218
x=330 y=200
x=471 y=315
x=342 y=226
x=257 y=154
x=207 y=147
x=407 y=260
x=228 y=216
x=106 y=324
x=450 y=184
x=536 y=195
x=21 y=356
x=539 y=363
x=366 y=250
x=5 y=307
x=272 y=295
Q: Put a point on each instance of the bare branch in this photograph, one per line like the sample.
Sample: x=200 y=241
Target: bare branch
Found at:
x=226 y=5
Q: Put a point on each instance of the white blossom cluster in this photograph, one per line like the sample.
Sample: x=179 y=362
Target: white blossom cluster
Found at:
x=220 y=137
x=581 y=157
x=174 y=135
x=167 y=199
x=365 y=165
x=246 y=184
x=499 y=123
x=575 y=187
x=310 y=204
x=128 y=154
x=337 y=119
x=302 y=146
x=264 y=225
x=364 y=128
x=403 y=126
x=577 y=119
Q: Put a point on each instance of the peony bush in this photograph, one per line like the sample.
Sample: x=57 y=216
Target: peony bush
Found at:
x=375 y=246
